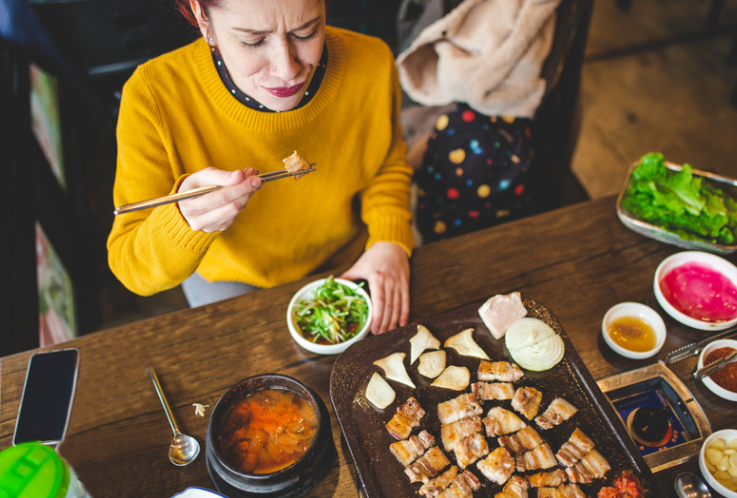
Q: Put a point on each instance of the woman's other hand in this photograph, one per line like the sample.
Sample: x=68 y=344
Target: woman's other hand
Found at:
x=385 y=266
x=217 y=210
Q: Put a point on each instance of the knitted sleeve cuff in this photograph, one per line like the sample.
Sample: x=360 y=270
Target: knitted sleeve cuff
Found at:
x=395 y=229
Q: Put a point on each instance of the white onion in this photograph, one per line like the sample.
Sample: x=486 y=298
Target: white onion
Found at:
x=534 y=345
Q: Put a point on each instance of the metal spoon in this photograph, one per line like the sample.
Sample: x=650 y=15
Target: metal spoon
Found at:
x=689 y=485
x=183 y=449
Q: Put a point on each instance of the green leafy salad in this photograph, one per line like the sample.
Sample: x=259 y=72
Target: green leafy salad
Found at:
x=680 y=202
x=334 y=314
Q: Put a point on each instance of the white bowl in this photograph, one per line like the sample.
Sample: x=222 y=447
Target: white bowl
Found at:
x=642 y=312
x=306 y=292
x=727 y=435
x=713 y=386
x=707 y=259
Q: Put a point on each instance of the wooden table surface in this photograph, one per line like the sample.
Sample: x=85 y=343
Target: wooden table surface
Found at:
x=577 y=261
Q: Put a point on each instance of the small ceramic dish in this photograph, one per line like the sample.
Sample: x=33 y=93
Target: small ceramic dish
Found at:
x=708 y=382
x=637 y=310
x=727 y=435
x=307 y=292
x=706 y=260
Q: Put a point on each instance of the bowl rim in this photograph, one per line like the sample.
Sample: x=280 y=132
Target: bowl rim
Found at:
x=643 y=311
x=713 y=386
x=710 y=479
x=299 y=338
x=721 y=264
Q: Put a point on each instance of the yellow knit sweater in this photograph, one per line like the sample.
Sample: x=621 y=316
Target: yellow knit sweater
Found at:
x=177 y=117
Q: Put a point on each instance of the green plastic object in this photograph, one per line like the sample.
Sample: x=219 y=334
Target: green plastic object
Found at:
x=33 y=470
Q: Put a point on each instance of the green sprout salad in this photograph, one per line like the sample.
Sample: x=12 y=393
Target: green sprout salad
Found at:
x=333 y=315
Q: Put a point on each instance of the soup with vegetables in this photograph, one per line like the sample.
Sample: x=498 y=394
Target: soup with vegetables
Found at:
x=267 y=431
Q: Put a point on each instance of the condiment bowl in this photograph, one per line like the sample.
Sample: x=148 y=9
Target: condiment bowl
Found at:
x=641 y=311
x=307 y=292
x=708 y=382
x=727 y=435
x=706 y=259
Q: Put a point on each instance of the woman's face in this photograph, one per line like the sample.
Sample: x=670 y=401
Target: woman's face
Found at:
x=270 y=47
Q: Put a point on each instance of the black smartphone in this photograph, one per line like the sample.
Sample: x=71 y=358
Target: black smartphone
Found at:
x=47 y=397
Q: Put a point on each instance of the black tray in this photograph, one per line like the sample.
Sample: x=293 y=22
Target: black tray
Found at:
x=368 y=440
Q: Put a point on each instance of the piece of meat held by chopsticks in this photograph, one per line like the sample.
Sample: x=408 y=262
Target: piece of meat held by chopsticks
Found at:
x=562 y=491
x=591 y=466
x=539 y=458
x=501 y=371
x=576 y=447
x=434 y=487
x=427 y=466
x=451 y=434
x=498 y=467
x=489 y=391
x=464 y=406
x=499 y=422
x=516 y=487
x=408 y=416
x=296 y=163
x=526 y=401
x=470 y=449
x=557 y=412
x=501 y=311
x=462 y=486
x=407 y=451
x=553 y=478
x=523 y=440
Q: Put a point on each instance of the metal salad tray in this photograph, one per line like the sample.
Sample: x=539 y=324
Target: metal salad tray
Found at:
x=660 y=234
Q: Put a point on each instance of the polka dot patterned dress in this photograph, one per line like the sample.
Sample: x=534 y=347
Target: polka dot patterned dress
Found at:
x=473 y=173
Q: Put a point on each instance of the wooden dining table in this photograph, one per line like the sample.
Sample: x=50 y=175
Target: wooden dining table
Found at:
x=578 y=261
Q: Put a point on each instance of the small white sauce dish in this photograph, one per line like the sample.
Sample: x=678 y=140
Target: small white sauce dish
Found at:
x=713 y=386
x=707 y=259
x=306 y=292
x=727 y=435
x=641 y=311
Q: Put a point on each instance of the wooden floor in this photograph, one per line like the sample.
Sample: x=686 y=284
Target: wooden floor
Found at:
x=655 y=78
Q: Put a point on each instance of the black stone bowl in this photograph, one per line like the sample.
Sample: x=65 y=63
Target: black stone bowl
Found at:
x=293 y=481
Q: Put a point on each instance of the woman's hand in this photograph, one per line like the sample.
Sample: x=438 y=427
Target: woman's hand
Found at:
x=385 y=266
x=217 y=210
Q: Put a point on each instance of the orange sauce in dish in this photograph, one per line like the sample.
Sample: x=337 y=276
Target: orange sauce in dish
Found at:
x=632 y=333
x=267 y=431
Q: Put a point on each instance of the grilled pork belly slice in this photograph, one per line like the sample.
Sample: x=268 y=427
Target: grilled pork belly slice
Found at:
x=471 y=449
x=462 y=486
x=501 y=311
x=408 y=450
x=540 y=457
x=408 y=417
x=500 y=421
x=488 y=391
x=562 y=491
x=516 y=487
x=526 y=401
x=558 y=412
x=498 y=467
x=427 y=466
x=591 y=466
x=452 y=433
x=464 y=406
x=553 y=478
x=521 y=441
x=434 y=487
x=501 y=371
x=572 y=450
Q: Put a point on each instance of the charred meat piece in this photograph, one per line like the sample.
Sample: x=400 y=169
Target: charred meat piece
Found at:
x=488 y=391
x=524 y=440
x=462 y=486
x=563 y=491
x=434 y=487
x=526 y=401
x=591 y=466
x=553 y=478
x=501 y=371
x=500 y=421
x=471 y=449
x=558 y=412
x=427 y=466
x=408 y=417
x=498 y=467
x=452 y=433
x=539 y=458
x=516 y=487
x=464 y=406
x=408 y=450
x=572 y=450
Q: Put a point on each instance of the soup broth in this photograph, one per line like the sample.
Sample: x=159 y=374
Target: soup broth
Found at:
x=267 y=431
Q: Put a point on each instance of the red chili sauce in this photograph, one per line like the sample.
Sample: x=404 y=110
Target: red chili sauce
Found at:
x=727 y=376
x=700 y=292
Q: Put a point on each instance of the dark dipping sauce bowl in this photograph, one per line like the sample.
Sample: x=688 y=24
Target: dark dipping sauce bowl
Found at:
x=293 y=481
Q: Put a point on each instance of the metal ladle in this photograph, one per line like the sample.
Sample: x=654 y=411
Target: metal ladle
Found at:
x=183 y=449
x=689 y=485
